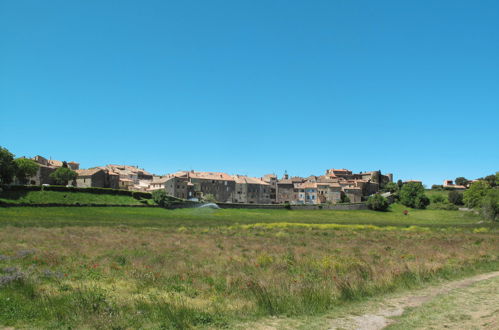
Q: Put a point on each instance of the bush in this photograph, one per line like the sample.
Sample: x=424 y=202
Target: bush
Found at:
x=455 y=197
x=209 y=198
x=437 y=187
x=473 y=196
x=438 y=199
x=164 y=200
x=344 y=198
x=490 y=205
x=377 y=203
x=412 y=195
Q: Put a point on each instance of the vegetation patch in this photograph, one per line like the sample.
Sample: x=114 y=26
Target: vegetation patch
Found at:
x=157 y=268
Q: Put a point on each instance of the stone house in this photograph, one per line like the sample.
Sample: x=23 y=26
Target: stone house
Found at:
x=307 y=192
x=271 y=179
x=251 y=190
x=328 y=192
x=178 y=185
x=97 y=177
x=125 y=184
x=94 y=177
x=353 y=193
x=157 y=183
x=286 y=190
x=47 y=167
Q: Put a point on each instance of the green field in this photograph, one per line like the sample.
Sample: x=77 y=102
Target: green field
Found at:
x=60 y=197
x=88 y=216
x=124 y=267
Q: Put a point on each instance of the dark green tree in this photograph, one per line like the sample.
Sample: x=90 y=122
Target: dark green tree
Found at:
x=63 y=175
x=377 y=203
x=490 y=205
x=461 y=181
x=25 y=168
x=412 y=195
x=400 y=184
x=491 y=180
x=7 y=166
x=455 y=197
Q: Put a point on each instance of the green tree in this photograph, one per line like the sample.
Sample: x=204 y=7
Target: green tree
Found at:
x=377 y=203
x=490 y=205
x=7 y=166
x=391 y=187
x=461 y=181
x=63 y=175
x=400 y=184
x=412 y=195
x=473 y=196
x=455 y=197
x=25 y=168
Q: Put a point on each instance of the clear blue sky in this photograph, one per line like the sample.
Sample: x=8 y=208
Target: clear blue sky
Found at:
x=251 y=87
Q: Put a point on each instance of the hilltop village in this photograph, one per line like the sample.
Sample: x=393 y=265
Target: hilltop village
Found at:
x=334 y=186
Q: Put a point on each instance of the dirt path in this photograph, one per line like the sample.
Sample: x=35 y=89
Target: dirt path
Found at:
x=396 y=306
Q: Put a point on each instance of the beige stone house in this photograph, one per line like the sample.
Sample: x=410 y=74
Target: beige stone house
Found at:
x=251 y=190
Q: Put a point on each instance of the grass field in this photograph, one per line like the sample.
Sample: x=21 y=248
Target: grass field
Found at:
x=46 y=197
x=127 y=268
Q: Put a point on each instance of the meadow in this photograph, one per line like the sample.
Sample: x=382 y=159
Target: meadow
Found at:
x=154 y=268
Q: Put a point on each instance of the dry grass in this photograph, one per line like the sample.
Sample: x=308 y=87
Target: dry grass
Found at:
x=181 y=277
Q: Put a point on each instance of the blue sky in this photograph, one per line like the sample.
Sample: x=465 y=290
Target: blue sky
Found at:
x=252 y=87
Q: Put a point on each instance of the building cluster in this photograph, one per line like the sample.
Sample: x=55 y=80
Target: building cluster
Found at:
x=336 y=185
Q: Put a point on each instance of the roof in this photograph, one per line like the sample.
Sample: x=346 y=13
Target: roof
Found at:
x=306 y=185
x=88 y=172
x=248 y=180
x=208 y=175
x=160 y=180
x=295 y=179
x=54 y=162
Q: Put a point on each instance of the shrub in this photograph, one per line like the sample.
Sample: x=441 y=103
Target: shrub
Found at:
x=473 y=196
x=437 y=187
x=344 y=198
x=209 y=198
x=490 y=205
x=377 y=203
x=412 y=195
x=438 y=199
x=162 y=199
x=455 y=197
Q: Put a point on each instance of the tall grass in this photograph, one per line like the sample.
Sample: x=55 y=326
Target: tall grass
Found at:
x=150 y=273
